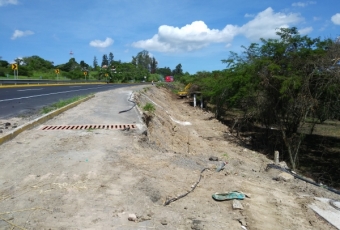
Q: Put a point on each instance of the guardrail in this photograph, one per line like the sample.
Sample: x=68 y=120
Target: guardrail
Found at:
x=38 y=82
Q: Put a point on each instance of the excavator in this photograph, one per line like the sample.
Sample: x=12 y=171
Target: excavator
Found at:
x=185 y=92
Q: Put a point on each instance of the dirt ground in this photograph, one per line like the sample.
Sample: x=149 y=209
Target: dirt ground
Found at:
x=95 y=179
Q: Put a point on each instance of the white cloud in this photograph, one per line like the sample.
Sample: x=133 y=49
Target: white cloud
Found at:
x=336 y=19
x=197 y=35
x=266 y=23
x=101 y=44
x=19 y=33
x=190 y=37
x=6 y=2
x=249 y=15
x=316 y=18
x=306 y=30
x=303 y=4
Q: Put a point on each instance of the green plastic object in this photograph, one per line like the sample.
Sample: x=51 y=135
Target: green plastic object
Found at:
x=228 y=196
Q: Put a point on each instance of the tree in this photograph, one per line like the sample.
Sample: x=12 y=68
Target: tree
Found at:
x=95 y=62
x=37 y=63
x=178 y=70
x=83 y=65
x=153 y=65
x=165 y=71
x=4 y=63
x=143 y=60
x=4 y=68
x=69 y=66
x=105 y=60
x=284 y=82
x=19 y=61
x=110 y=58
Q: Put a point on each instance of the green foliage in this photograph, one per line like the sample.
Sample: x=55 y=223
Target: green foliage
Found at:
x=177 y=71
x=61 y=104
x=139 y=69
x=127 y=72
x=165 y=71
x=110 y=61
x=95 y=62
x=149 y=107
x=84 y=66
x=143 y=60
x=153 y=65
x=34 y=63
x=154 y=77
x=26 y=71
x=278 y=83
x=4 y=64
x=105 y=60
x=69 y=66
x=160 y=84
x=5 y=70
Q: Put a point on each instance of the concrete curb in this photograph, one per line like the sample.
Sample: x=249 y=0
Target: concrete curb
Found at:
x=40 y=120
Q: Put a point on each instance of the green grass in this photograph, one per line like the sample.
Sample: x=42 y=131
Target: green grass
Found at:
x=149 y=107
x=61 y=104
x=225 y=156
x=90 y=130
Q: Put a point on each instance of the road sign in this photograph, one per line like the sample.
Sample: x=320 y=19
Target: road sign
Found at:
x=85 y=73
x=14 y=66
x=57 y=71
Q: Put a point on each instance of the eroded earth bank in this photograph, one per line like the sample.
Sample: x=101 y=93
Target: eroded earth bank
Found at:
x=96 y=179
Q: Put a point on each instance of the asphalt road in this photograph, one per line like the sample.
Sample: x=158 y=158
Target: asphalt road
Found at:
x=25 y=101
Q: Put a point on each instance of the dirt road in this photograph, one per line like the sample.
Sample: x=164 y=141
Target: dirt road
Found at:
x=95 y=179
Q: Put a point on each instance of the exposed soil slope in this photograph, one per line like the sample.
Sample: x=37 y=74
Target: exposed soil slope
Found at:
x=95 y=179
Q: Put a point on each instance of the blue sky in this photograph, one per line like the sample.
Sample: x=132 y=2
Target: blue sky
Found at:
x=198 y=34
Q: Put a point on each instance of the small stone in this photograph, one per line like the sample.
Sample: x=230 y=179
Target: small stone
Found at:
x=283 y=164
x=197 y=225
x=132 y=217
x=164 y=222
x=1 y=131
x=7 y=124
x=284 y=177
x=213 y=158
x=237 y=205
x=144 y=218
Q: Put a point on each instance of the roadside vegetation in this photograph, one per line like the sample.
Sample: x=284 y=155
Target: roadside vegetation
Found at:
x=61 y=104
x=149 y=107
x=142 y=68
x=281 y=94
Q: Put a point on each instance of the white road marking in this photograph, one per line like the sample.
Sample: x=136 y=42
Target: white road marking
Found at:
x=28 y=89
x=41 y=95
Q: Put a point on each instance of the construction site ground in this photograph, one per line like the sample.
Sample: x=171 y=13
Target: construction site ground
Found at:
x=98 y=178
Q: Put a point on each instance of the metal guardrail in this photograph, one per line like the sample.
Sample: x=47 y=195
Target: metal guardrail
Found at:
x=35 y=82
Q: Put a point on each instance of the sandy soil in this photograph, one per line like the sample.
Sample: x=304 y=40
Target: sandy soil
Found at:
x=95 y=179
